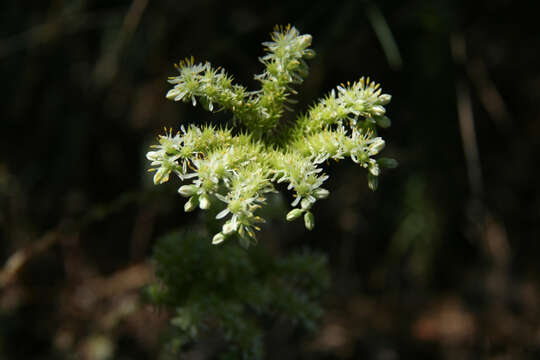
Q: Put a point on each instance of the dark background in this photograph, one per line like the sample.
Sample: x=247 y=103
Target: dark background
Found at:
x=442 y=262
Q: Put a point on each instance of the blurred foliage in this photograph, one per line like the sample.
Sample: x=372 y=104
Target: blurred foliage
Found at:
x=415 y=237
x=234 y=290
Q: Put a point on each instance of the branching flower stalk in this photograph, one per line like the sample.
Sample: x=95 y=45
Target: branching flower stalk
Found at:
x=238 y=167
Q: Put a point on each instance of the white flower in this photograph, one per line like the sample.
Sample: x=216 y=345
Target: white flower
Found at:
x=375 y=145
x=163 y=164
x=230 y=226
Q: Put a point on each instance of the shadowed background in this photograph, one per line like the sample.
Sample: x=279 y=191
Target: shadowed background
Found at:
x=441 y=262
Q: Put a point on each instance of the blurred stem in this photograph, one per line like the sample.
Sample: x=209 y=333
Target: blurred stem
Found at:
x=18 y=259
x=54 y=28
x=107 y=66
x=466 y=119
x=384 y=34
x=491 y=234
x=489 y=94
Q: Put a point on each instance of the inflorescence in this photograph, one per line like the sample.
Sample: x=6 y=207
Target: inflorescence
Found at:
x=238 y=169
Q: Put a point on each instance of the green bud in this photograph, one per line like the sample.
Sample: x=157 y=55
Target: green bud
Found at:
x=302 y=71
x=244 y=241
x=309 y=220
x=387 y=163
x=294 y=214
x=304 y=40
x=309 y=54
x=218 y=239
x=373 y=182
x=187 y=190
x=305 y=204
x=191 y=204
x=206 y=104
x=204 y=202
x=383 y=121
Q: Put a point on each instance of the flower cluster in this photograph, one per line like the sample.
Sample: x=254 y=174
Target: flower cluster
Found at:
x=238 y=168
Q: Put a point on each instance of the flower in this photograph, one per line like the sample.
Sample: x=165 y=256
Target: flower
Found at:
x=239 y=168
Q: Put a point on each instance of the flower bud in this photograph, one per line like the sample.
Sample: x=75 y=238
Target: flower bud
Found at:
x=321 y=193
x=309 y=220
x=191 y=204
x=384 y=99
x=187 y=190
x=309 y=54
x=304 y=40
x=305 y=203
x=204 y=202
x=154 y=155
x=383 y=121
x=161 y=176
x=373 y=182
x=378 y=110
x=387 y=163
x=374 y=169
x=228 y=228
x=171 y=94
x=302 y=71
x=376 y=145
x=218 y=239
x=294 y=214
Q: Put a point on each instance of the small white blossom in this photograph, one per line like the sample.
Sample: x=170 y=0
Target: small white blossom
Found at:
x=230 y=226
x=375 y=146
